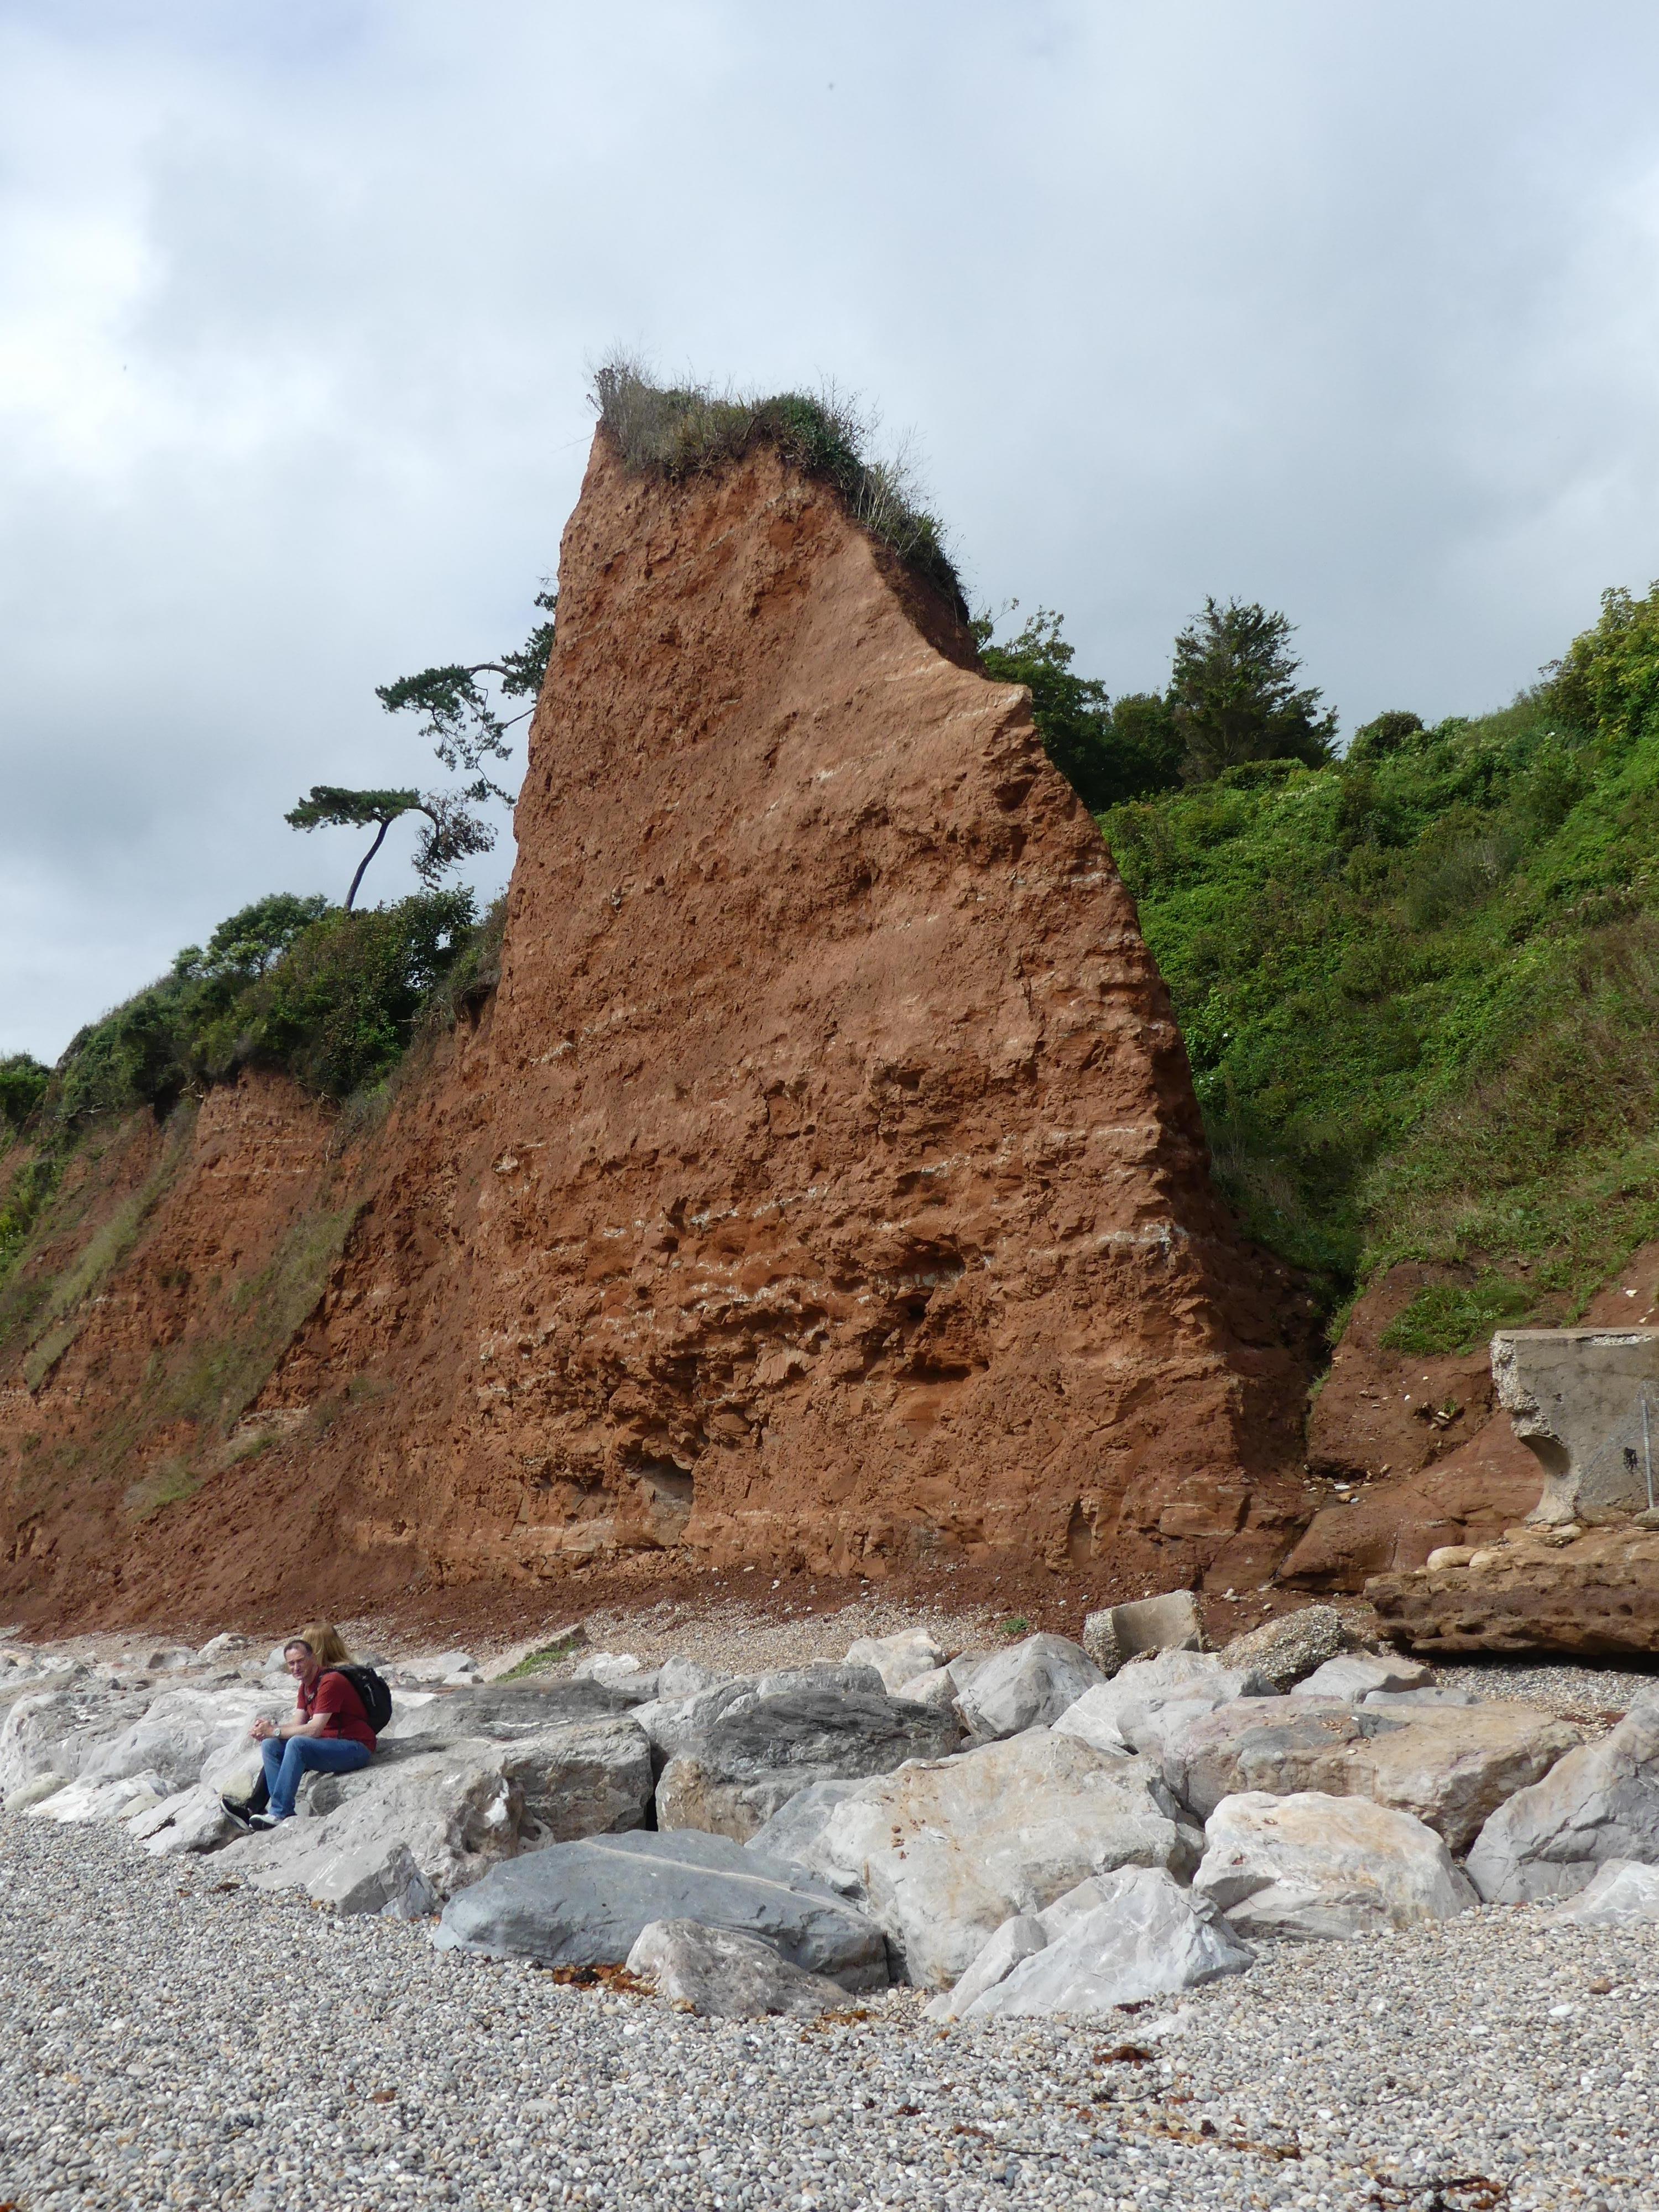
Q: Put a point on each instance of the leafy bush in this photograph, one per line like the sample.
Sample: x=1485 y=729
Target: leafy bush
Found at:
x=1420 y=987
x=1453 y=1317
x=1107 y=752
x=684 y=430
x=23 y=1083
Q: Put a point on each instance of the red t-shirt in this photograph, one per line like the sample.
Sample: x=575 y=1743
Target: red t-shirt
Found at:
x=333 y=1697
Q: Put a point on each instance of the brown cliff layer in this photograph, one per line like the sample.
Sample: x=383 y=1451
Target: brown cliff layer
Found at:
x=824 y=1186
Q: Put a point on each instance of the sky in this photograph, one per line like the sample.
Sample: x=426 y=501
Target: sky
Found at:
x=1352 y=309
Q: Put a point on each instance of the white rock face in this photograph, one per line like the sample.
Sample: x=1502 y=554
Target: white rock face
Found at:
x=113 y=1800
x=1317 y=1866
x=585 y=1779
x=1355 y=1674
x=1622 y=1893
x=897 y=1659
x=606 y=1667
x=945 y=1850
x=1450 y=1766
x=1600 y=1802
x=1029 y=1685
x=1134 y=1711
x=1147 y=1937
x=191 y=1820
x=185 y=1731
x=1020 y=1938
x=453 y=1811
x=725 y=1975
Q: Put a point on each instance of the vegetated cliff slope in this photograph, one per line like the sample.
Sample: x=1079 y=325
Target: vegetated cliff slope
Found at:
x=824 y=1186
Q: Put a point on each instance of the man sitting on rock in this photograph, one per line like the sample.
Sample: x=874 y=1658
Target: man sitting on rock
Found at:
x=330 y=1729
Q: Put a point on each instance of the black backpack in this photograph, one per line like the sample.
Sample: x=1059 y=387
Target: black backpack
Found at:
x=375 y=1697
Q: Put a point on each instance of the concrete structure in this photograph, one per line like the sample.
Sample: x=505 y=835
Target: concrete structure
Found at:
x=1576 y=1398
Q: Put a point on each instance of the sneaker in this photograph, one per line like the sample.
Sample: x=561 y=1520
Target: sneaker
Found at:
x=263 y=1821
x=237 y=1814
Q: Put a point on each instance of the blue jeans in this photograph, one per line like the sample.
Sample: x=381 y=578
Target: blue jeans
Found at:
x=285 y=1765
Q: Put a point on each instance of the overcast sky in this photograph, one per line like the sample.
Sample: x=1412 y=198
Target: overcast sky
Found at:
x=1353 y=308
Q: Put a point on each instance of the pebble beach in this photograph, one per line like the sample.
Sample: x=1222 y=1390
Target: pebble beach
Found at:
x=175 y=2038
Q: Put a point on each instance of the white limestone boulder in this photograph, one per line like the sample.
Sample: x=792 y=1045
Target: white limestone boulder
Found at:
x=1450 y=1766
x=1621 y=1894
x=1029 y=1685
x=1139 y=1935
x=1311 y=1865
x=944 y=1851
x=897 y=1659
x=1356 y=1675
x=723 y=1974
x=1600 y=1802
x=1146 y=1697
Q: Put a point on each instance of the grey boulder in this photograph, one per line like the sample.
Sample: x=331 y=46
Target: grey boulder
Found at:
x=587 y=1905
x=724 y=1975
x=1621 y=1894
x=944 y=1851
x=1600 y=1802
x=588 y=1777
x=1450 y=1766
x=1310 y=1865
x=1140 y=1936
x=897 y=1659
x=1029 y=1685
x=744 y=1756
x=501 y=1712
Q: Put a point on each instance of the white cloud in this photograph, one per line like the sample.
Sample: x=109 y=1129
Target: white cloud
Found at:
x=1349 y=309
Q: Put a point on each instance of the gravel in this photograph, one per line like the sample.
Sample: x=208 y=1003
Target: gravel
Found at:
x=177 y=2041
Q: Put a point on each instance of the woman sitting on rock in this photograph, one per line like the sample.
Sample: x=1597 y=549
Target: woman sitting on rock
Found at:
x=329 y=1729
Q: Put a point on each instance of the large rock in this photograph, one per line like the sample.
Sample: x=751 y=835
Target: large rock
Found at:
x=1621 y=1894
x=1118 y=1633
x=587 y=1905
x=1320 y=1866
x=899 y=1658
x=946 y=1851
x=1285 y=1649
x=744 y=1755
x=452 y=1812
x=191 y=1820
x=58 y=1731
x=1359 y=1674
x=1134 y=1711
x=724 y=1975
x=1450 y=1767
x=502 y=1712
x=1029 y=1685
x=1140 y=1936
x=184 y=1733
x=1600 y=1802
x=588 y=1777
x=1595 y=1595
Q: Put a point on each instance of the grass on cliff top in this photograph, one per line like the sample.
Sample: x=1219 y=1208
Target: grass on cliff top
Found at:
x=684 y=430
x=1420 y=989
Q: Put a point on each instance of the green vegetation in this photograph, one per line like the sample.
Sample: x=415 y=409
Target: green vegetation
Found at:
x=686 y=430
x=1419 y=986
x=1456 y=1317
x=1233 y=703
x=535 y=1663
x=467 y=729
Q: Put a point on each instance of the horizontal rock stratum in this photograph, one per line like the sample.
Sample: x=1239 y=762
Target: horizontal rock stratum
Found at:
x=823 y=1186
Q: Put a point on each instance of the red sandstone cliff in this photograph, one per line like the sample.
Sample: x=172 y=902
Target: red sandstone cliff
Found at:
x=823 y=1186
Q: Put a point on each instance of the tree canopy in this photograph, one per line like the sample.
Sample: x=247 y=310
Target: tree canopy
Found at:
x=1233 y=693
x=461 y=718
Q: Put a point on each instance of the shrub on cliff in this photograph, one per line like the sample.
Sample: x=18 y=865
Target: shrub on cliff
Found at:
x=1420 y=987
x=682 y=430
x=23 y=1083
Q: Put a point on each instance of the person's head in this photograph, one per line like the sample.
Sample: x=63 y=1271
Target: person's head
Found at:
x=327 y=1642
x=300 y=1661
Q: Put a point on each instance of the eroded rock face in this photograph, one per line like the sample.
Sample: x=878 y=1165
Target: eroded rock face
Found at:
x=823 y=1185
x=1310 y=1865
x=1595 y=1595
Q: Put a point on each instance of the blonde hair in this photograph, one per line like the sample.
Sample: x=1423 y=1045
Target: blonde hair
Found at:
x=325 y=1643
